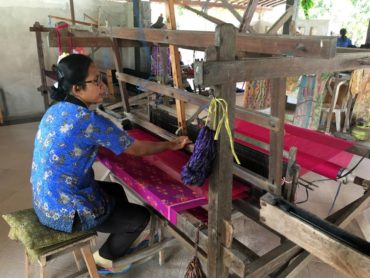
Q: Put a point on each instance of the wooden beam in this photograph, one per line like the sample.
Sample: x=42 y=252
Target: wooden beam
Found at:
x=232 y=10
x=71 y=20
x=220 y=181
x=91 y=41
x=71 y=6
x=280 y=22
x=241 y=113
x=202 y=14
x=176 y=69
x=277 y=138
x=307 y=46
x=119 y=66
x=212 y=73
x=318 y=243
x=40 y=55
x=248 y=15
x=342 y=218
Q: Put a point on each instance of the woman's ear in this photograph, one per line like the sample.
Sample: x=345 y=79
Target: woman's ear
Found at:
x=76 y=89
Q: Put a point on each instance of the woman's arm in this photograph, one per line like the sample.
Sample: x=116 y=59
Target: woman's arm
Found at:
x=141 y=148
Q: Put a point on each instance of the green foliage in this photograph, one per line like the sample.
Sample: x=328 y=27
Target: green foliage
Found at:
x=306 y=6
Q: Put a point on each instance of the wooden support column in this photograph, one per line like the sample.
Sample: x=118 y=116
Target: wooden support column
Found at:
x=137 y=23
x=119 y=67
x=220 y=184
x=176 y=70
x=277 y=137
x=40 y=54
x=248 y=15
x=71 y=6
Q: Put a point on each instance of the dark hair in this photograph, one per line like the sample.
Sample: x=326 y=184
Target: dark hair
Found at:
x=343 y=32
x=71 y=70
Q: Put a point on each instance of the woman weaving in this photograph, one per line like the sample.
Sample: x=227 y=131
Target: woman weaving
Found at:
x=66 y=197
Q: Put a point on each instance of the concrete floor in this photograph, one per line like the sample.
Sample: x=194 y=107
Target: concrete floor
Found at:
x=16 y=144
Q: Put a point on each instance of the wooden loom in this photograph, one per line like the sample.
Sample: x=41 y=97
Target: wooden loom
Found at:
x=219 y=250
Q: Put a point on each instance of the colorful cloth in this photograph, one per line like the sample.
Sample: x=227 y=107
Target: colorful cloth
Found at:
x=161 y=63
x=157 y=180
x=257 y=94
x=312 y=90
x=62 y=178
x=360 y=84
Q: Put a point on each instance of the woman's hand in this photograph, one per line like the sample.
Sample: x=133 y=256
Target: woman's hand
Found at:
x=179 y=143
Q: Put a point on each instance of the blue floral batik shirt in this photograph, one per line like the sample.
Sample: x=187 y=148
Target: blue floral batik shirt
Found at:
x=62 y=178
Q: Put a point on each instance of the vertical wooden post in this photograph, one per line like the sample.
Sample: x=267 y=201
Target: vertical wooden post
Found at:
x=40 y=54
x=137 y=23
x=119 y=67
x=176 y=70
x=71 y=5
x=220 y=183
x=277 y=138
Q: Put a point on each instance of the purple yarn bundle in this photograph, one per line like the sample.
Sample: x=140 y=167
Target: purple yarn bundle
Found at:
x=199 y=165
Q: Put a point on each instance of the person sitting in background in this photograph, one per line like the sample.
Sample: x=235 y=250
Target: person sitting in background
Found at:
x=66 y=196
x=343 y=41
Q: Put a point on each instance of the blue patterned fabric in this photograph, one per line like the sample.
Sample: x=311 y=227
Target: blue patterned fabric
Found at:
x=62 y=178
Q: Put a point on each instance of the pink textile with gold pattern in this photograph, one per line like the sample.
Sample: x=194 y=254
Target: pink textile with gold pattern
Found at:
x=156 y=178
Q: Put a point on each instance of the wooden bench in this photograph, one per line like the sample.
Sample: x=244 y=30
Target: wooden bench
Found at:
x=43 y=244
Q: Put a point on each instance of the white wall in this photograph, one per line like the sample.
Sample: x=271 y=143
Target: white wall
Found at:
x=19 y=70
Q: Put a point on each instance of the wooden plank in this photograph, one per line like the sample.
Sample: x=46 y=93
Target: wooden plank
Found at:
x=326 y=248
x=364 y=226
x=212 y=73
x=342 y=218
x=306 y=46
x=176 y=69
x=248 y=15
x=220 y=181
x=277 y=138
x=118 y=63
x=241 y=113
x=40 y=54
x=280 y=22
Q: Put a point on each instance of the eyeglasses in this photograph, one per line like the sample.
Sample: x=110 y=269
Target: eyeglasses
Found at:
x=98 y=81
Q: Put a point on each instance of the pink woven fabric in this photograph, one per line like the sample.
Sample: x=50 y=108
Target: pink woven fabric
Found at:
x=156 y=178
x=317 y=152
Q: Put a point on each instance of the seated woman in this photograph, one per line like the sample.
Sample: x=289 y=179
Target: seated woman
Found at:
x=66 y=197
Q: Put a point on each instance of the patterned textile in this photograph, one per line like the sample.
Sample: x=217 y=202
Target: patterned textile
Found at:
x=157 y=179
x=62 y=178
x=360 y=84
x=257 y=94
x=37 y=238
x=311 y=94
x=161 y=63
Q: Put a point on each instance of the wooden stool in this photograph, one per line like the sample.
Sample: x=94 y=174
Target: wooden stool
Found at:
x=43 y=244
